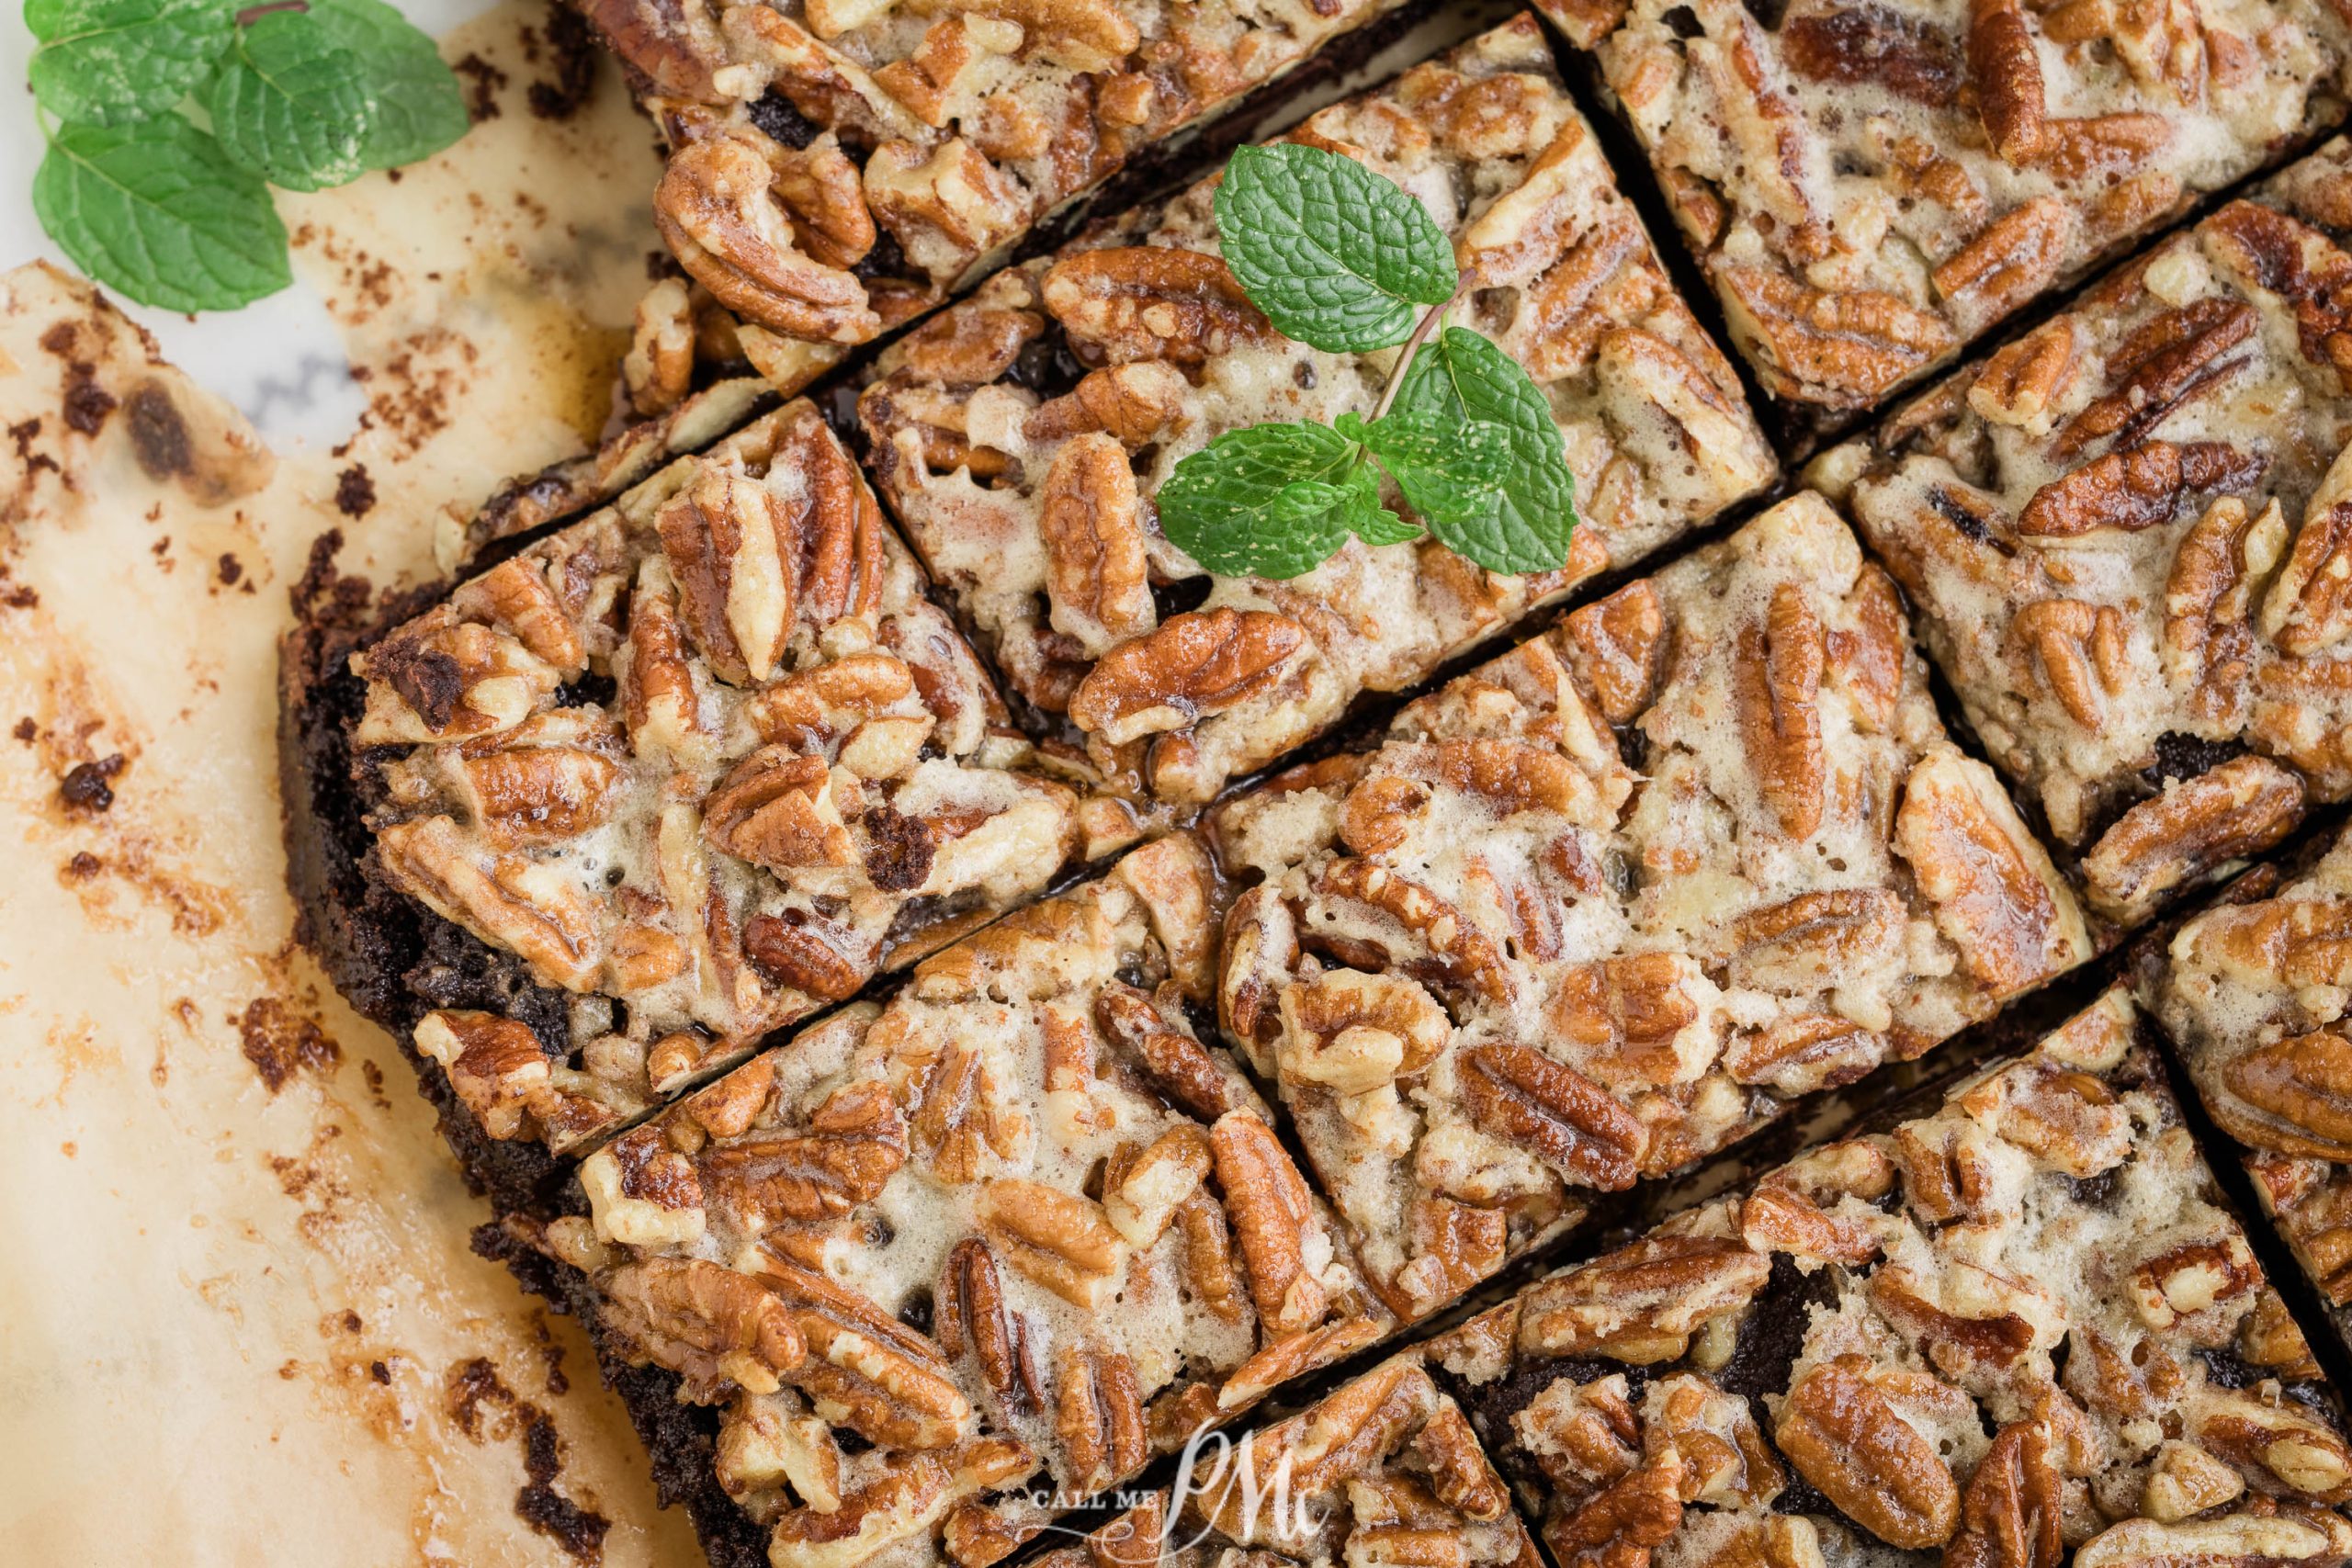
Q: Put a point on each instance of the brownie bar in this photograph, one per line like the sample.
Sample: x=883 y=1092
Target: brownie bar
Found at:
x=2121 y=534
x=1383 y=1471
x=2254 y=993
x=1508 y=956
x=1018 y=1219
x=1021 y=436
x=671 y=777
x=839 y=166
x=2020 y=1327
x=1871 y=186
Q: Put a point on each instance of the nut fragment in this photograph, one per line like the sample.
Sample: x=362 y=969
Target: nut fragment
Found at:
x=1179 y=1064
x=1618 y=648
x=857 y=1141
x=1641 y=1303
x=2242 y=807
x=2011 y=1514
x=1131 y=403
x=1097 y=1413
x=2083 y=652
x=775 y=809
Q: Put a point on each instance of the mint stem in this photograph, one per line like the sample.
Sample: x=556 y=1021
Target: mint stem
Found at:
x=1428 y=323
x=247 y=17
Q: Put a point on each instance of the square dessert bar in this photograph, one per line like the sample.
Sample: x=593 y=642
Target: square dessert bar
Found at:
x=1022 y=436
x=2020 y=1327
x=839 y=166
x=1508 y=957
x=1383 y=1471
x=1022 y=1218
x=676 y=776
x=2124 y=538
x=1871 y=186
x=2255 y=993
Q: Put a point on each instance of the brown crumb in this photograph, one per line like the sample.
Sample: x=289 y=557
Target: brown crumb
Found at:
x=486 y=81
x=355 y=491
x=573 y=52
x=159 y=436
x=230 y=569
x=83 y=867
x=381 y=1372
x=27 y=730
x=277 y=1042
x=18 y=595
x=87 y=403
x=86 y=785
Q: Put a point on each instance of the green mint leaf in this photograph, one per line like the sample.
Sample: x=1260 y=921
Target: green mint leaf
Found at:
x=1335 y=256
x=1367 y=519
x=113 y=61
x=1461 y=378
x=287 y=103
x=1448 y=470
x=1264 y=501
x=158 y=211
x=420 y=109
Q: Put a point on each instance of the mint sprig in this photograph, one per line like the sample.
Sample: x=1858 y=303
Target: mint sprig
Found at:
x=1339 y=258
x=300 y=94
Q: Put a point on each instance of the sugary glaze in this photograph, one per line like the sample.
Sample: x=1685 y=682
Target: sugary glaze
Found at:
x=2018 y=1328
x=1020 y=1219
x=2254 y=992
x=707 y=761
x=1021 y=437
x=1871 y=186
x=1496 y=962
x=838 y=166
x=2123 y=535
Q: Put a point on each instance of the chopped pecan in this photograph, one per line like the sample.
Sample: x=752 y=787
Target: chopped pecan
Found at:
x=956 y=1108
x=729 y=541
x=1618 y=650
x=532 y=794
x=2011 y=262
x=2006 y=75
x=1869 y=659
x=1090 y=523
x=1521 y=1095
x=969 y=345
x=857 y=1141
x=1454 y=1246
x=1353 y=1031
x=705 y=1321
x=1208 y=1256
x=1815 y=940
x=2084 y=652
x=1854 y=45
x=1997 y=897
x=439 y=679
x=1618 y=1526
x=1273 y=1218
x=2023 y=383
x=1776 y=676
x=496 y=1065
x=1799 y=1054
x=2011 y=1513
x=1143 y=1189
x=1061 y=1240
x=717 y=208
x=775 y=809
x=2208 y=636
x=2106 y=144
x=2192 y=1277
x=906 y=1497
x=1841 y=1435
x=1131 y=403
x=945 y=204
x=2235 y=1540
x=1195 y=666
x=2276 y=1445
x=1642 y=1304
x=1085 y=35
x=658 y=370
x=2185 y=1481
x=1725 y=1461
x=1458 y=1470
x=658 y=682
x=1160 y=302
x=1777 y=1217
x=1845 y=350
x=2241 y=808
x=1098 y=1415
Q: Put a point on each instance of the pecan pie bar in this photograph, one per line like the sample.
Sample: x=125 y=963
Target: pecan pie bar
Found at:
x=2123 y=535
x=1019 y=1219
x=671 y=777
x=1496 y=962
x=2255 y=994
x=1383 y=1471
x=839 y=166
x=1870 y=187
x=1021 y=436
x=2018 y=1328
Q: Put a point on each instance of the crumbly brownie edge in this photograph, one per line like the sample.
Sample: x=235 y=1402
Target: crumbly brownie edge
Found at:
x=364 y=935
x=681 y=1439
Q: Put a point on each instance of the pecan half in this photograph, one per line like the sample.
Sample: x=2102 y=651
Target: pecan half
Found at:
x=2006 y=75
x=1525 y=1097
x=1777 y=681
x=1618 y=1526
x=804 y=957
x=1090 y=523
x=1617 y=648
x=2023 y=381
x=2209 y=644
x=1157 y=302
x=1131 y=403
x=1872 y=44
x=1178 y=1063
x=496 y=1065
x=729 y=541
x=1642 y=1304
x=2304 y=1083
x=1058 y=1239
x=972 y=1315
x=2011 y=1514
x=705 y=1321
x=775 y=809
x=2178 y=355
x=527 y=908
x=716 y=209
x=1098 y=1415
x=2243 y=807
x=1996 y=898
x=1195 y=666
x=2137 y=487
x=1845 y=349
x=2309 y=609
x=2084 y=652
x=2235 y=1540
x=2011 y=262
x=1273 y=1216
x=865 y=1370
x=857 y=1141
x=1842 y=1436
